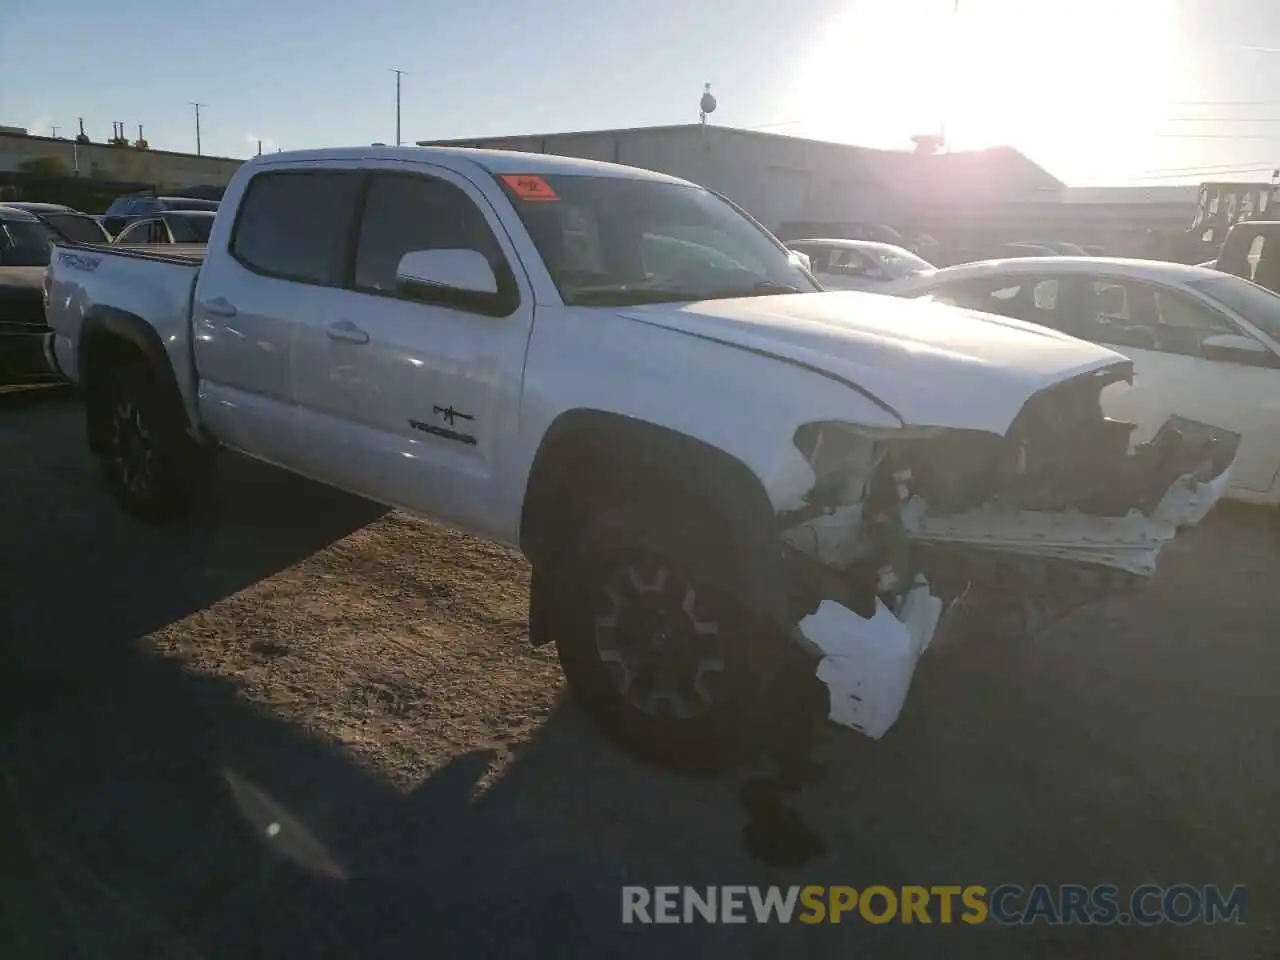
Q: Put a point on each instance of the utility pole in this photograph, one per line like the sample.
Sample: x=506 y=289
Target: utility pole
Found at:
x=259 y=148
x=942 y=127
x=55 y=131
x=399 y=74
x=197 y=106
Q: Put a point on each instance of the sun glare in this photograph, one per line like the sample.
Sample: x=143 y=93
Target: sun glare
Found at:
x=1068 y=79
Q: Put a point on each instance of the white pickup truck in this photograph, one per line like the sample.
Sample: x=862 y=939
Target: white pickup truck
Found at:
x=742 y=497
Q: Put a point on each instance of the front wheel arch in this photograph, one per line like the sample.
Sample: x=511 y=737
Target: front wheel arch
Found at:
x=592 y=460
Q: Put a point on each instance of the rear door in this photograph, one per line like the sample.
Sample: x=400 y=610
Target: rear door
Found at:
x=281 y=271
x=411 y=400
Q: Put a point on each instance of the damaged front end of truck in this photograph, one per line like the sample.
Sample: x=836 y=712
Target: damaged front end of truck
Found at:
x=907 y=535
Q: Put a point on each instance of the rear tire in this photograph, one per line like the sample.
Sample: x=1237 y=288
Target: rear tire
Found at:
x=153 y=469
x=651 y=638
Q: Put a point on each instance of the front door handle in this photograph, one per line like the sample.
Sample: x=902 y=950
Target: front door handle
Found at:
x=220 y=307
x=347 y=332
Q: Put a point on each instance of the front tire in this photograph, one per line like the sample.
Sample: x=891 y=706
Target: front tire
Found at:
x=152 y=468
x=651 y=639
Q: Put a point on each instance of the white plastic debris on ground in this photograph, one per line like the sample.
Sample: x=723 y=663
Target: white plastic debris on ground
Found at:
x=867 y=665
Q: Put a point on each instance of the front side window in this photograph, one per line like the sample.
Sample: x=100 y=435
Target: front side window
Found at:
x=900 y=263
x=593 y=234
x=411 y=212
x=851 y=263
x=294 y=225
x=1258 y=305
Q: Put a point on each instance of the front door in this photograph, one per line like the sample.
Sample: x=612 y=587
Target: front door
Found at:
x=415 y=400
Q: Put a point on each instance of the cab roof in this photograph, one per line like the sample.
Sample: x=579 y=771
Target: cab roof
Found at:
x=467 y=158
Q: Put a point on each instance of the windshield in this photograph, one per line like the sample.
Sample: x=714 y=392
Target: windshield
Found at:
x=900 y=263
x=25 y=243
x=1256 y=304
x=76 y=227
x=619 y=241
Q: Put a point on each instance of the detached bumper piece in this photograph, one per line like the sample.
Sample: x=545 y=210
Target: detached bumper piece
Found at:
x=867 y=664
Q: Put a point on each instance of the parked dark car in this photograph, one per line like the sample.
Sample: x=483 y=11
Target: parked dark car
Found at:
x=172 y=226
x=25 y=246
x=69 y=223
x=130 y=207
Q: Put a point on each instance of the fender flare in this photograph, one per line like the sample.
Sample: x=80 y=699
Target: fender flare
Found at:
x=103 y=321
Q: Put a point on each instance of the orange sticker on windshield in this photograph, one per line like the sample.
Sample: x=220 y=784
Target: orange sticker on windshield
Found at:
x=529 y=186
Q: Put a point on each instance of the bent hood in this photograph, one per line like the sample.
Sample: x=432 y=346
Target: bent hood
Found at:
x=934 y=365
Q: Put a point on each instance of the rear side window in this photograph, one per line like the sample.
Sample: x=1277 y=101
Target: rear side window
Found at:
x=295 y=225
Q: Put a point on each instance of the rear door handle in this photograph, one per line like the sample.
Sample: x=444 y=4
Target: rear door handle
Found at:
x=347 y=332
x=220 y=307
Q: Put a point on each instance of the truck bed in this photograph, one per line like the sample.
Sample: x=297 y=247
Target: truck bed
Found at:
x=148 y=285
x=164 y=252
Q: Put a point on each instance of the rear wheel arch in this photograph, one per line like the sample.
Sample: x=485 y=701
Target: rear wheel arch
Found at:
x=110 y=336
x=590 y=461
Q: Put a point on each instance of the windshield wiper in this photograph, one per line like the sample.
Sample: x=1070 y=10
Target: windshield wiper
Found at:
x=642 y=295
x=632 y=298
x=761 y=288
x=772 y=286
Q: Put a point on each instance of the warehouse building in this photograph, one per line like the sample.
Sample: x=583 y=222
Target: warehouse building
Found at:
x=800 y=186
x=119 y=159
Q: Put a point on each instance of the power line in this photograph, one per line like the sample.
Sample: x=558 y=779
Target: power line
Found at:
x=1263 y=171
x=1221 y=119
x=1224 y=103
x=1202 y=167
x=1216 y=136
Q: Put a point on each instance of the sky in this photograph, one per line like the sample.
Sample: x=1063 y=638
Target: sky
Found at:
x=1096 y=91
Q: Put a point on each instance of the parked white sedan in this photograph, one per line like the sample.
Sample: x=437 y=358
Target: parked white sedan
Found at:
x=861 y=264
x=1205 y=345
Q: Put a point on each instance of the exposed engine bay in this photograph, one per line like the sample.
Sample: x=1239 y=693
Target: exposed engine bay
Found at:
x=905 y=530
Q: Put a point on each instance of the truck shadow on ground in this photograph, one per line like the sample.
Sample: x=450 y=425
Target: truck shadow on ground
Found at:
x=147 y=811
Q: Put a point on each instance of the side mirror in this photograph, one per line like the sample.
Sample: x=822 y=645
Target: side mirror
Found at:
x=432 y=272
x=800 y=259
x=1235 y=348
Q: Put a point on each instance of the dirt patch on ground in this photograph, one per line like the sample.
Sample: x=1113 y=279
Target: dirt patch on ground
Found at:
x=405 y=642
